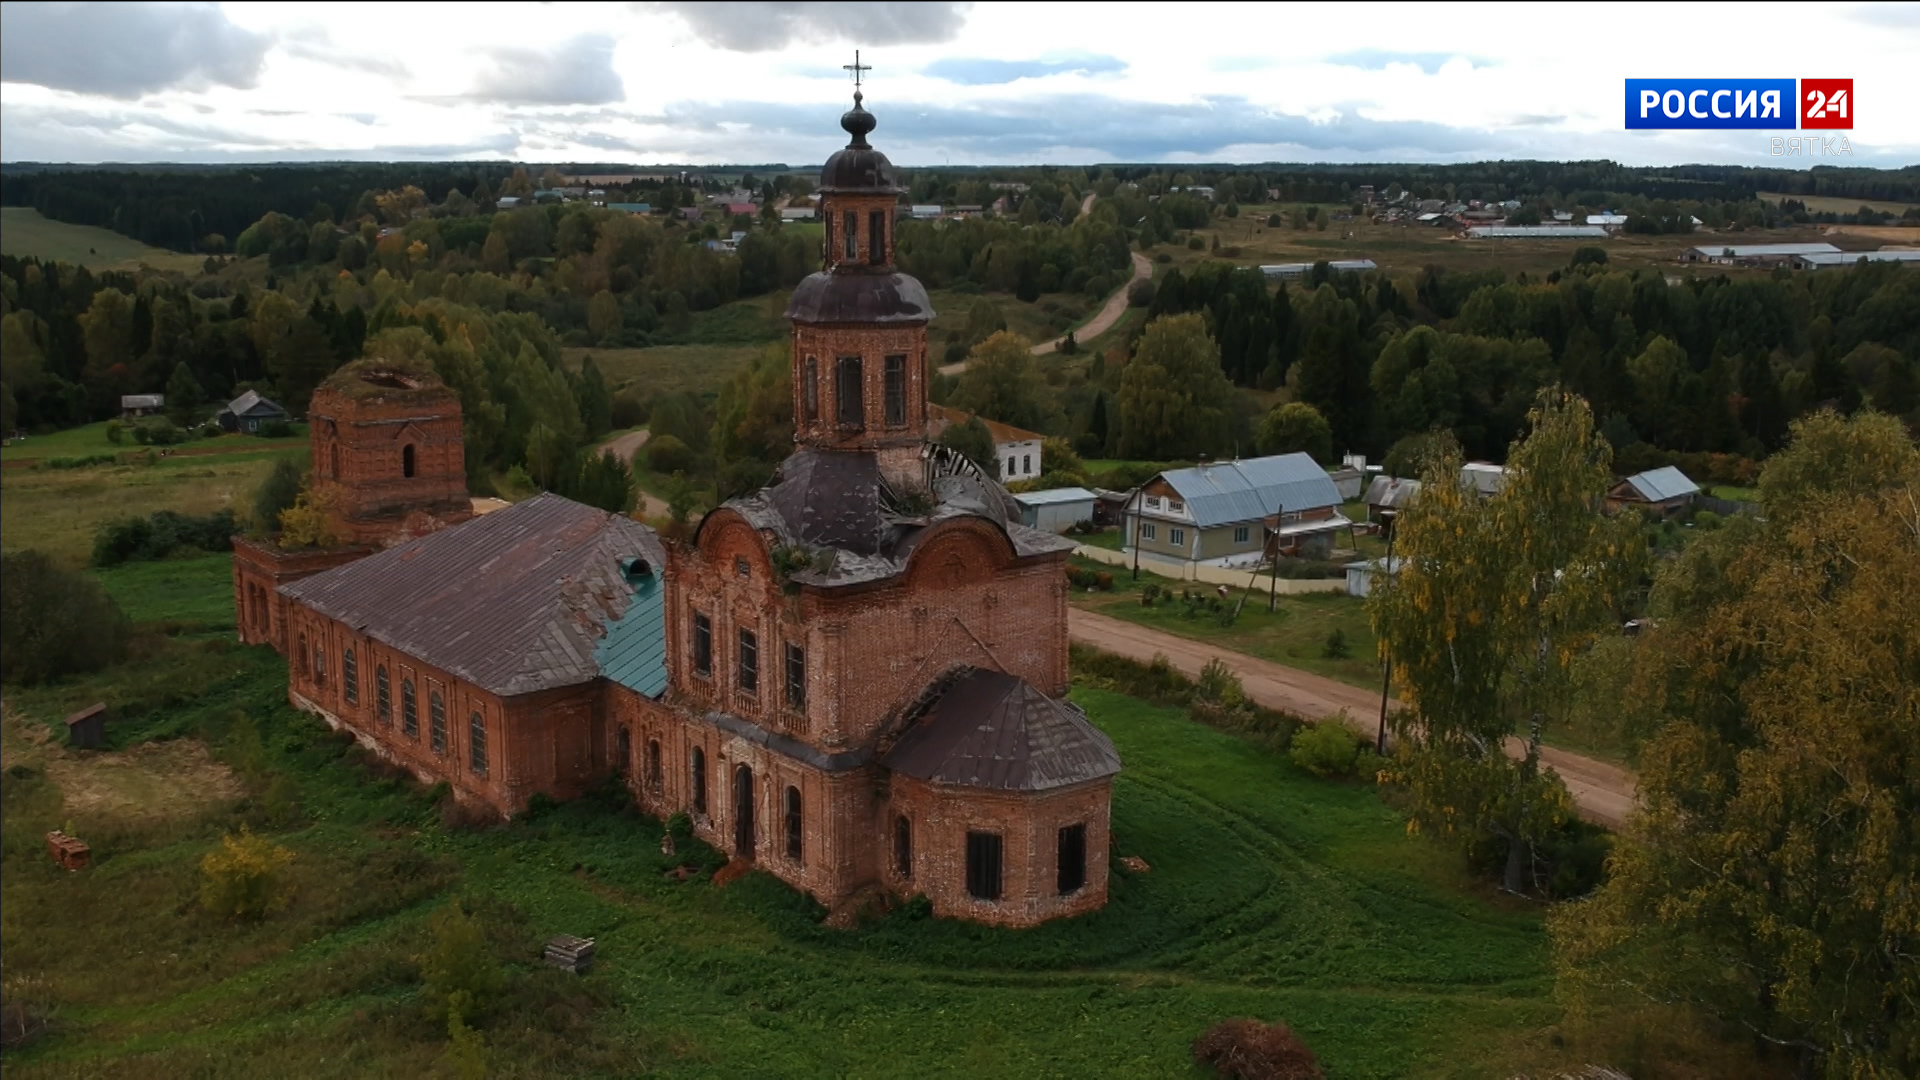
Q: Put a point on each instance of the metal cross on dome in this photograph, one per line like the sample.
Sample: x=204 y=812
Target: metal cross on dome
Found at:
x=856 y=67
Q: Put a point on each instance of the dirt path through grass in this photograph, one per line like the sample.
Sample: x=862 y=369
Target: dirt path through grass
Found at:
x=1101 y=322
x=1603 y=793
x=625 y=447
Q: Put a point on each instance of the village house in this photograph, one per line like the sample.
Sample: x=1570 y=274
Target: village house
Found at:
x=1663 y=492
x=1017 y=449
x=1057 y=509
x=248 y=411
x=1236 y=513
x=133 y=406
x=1387 y=496
x=852 y=678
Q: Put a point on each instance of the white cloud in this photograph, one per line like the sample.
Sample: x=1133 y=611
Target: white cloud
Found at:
x=763 y=83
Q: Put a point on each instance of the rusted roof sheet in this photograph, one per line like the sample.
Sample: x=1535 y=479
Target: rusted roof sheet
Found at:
x=992 y=730
x=513 y=602
x=859 y=296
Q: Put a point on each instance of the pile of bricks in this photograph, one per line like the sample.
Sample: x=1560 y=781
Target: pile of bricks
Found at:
x=70 y=852
x=571 y=953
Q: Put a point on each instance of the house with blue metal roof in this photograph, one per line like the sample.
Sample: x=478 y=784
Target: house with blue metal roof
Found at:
x=1233 y=513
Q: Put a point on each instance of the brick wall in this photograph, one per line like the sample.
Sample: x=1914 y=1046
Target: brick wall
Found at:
x=391 y=458
x=259 y=569
x=964 y=599
x=546 y=742
x=817 y=351
x=1028 y=825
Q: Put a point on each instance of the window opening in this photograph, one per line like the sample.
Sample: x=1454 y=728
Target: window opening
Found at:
x=1073 y=858
x=350 y=676
x=437 y=722
x=702 y=644
x=793 y=824
x=903 y=847
x=699 y=781
x=477 y=744
x=983 y=865
x=406 y=461
x=796 y=677
x=749 y=667
x=409 y=710
x=852 y=411
x=896 y=381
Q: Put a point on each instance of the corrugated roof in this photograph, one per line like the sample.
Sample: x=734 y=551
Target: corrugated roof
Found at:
x=1053 y=496
x=1746 y=251
x=1537 y=232
x=249 y=401
x=1659 y=485
x=1848 y=258
x=513 y=602
x=992 y=730
x=1249 y=490
x=1391 y=492
x=142 y=401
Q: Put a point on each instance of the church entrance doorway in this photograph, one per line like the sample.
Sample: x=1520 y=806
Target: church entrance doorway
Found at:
x=743 y=812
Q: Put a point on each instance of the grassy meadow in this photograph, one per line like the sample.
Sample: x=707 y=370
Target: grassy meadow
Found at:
x=24 y=233
x=59 y=510
x=1269 y=894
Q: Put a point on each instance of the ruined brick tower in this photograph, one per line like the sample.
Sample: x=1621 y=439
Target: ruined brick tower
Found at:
x=387 y=442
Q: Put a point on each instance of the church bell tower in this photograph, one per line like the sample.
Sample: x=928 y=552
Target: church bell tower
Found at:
x=860 y=364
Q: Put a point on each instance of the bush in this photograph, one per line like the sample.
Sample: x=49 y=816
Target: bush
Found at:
x=86 y=462
x=1335 y=647
x=242 y=879
x=1219 y=685
x=667 y=454
x=116 y=432
x=1194 y=243
x=1273 y=221
x=462 y=975
x=628 y=412
x=152 y=538
x=1327 y=749
x=55 y=621
x=1247 y=1049
x=158 y=431
x=275 y=495
x=275 y=429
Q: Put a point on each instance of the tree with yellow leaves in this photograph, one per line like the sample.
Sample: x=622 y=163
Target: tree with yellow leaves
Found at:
x=1772 y=877
x=1496 y=598
x=241 y=880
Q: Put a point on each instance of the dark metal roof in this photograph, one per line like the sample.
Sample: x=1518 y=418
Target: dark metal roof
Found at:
x=252 y=403
x=859 y=168
x=514 y=601
x=992 y=730
x=791 y=747
x=859 y=297
x=834 y=505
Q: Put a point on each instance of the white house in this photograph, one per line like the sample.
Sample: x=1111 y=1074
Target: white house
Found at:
x=924 y=213
x=1360 y=574
x=1018 y=449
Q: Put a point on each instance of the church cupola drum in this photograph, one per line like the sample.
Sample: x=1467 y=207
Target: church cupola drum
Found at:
x=859 y=325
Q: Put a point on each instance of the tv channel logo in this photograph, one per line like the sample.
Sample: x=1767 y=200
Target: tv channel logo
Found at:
x=1739 y=104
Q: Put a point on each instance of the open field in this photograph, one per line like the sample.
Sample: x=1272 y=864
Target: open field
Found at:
x=1826 y=204
x=1048 y=317
x=58 y=510
x=666 y=369
x=1294 y=634
x=91 y=439
x=1403 y=250
x=24 y=233
x=1890 y=235
x=1270 y=894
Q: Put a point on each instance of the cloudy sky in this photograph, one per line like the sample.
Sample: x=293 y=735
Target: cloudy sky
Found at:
x=986 y=83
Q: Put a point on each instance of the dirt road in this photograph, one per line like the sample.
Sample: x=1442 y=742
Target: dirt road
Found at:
x=624 y=447
x=1603 y=793
x=1101 y=322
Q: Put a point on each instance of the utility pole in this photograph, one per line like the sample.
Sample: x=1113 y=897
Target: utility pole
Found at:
x=1386 y=683
x=1273 y=581
x=1136 y=536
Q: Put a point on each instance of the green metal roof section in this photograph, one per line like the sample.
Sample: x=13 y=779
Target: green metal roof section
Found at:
x=634 y=652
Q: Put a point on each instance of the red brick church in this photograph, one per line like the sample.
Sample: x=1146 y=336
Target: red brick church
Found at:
x=851 y=678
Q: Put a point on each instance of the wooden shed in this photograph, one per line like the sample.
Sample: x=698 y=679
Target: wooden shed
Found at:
x=87 y=729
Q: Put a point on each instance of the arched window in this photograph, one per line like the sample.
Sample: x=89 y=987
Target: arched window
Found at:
x=793 y=823
x=877 y=237
x=406 y=461
x=810 y=390
x=409 y=710
x=1072 y=870
x=477 y=744
x=622 y=750
x=319 y=666
x=653 y=765
x=383 y=694
x=350 y=676
x=437 y=722
x=699 y=781
x=903 y=847
x=983 y=865
x=851 y=409
x=850 y=233
x=300 y=656
x=333 y=461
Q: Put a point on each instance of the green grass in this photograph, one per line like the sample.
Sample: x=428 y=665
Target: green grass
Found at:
x=91 y=439
x=1032 y=321
x=1734 y=494
x=1270 y=894
x=24 y=233
x=667 y=369
x=1294 y=634
x=59 y=510
x=195 y=592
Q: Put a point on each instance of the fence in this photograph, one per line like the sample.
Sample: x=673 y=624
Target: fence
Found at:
x=1212 y=575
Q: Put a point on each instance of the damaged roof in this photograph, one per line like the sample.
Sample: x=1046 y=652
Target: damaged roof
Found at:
x=835 y=505
x=992 y=730
x=513 y=602
x=859 y=296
